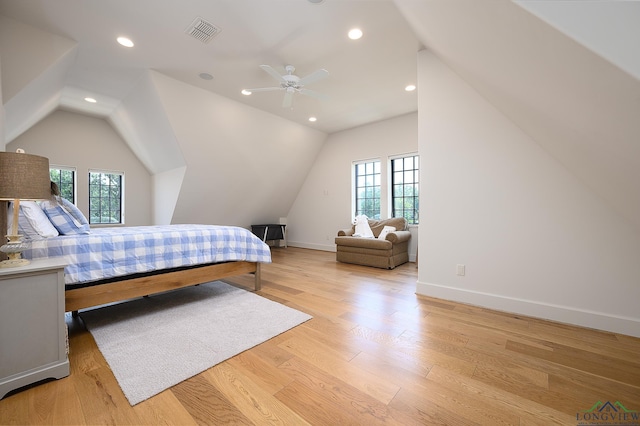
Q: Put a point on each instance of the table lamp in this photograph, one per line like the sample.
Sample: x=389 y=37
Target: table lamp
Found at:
x=22 y=177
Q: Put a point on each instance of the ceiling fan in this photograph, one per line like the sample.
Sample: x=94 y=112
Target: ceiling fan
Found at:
x=292 y=84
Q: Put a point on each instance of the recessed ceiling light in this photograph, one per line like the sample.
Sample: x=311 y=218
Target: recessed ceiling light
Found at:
x=245 y=92
x=410 y=88
x=125 y=41
x=90 y=100
x=206 y=76
x=312 y=119
x=355 y=33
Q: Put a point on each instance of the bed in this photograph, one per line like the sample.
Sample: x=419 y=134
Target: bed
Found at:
x=119 y=263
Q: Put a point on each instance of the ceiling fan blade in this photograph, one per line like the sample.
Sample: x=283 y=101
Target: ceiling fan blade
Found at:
x=273 y=73
x=287 y=102
x=313 y=94
x=264 y=89
x=314 y=76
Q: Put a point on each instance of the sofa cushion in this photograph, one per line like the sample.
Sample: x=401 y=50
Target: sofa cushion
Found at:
x=400 y=223
x=372 y=243
x=385 y=231
x=393 y=250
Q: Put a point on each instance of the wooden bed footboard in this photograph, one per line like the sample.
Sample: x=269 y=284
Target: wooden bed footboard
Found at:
x=100 y=294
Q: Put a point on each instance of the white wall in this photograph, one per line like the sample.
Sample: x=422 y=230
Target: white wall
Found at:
x=77 y=140
x=535 y=240
x=323 y=205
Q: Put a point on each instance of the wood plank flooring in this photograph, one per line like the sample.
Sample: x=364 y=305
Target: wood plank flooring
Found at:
x=374 y=353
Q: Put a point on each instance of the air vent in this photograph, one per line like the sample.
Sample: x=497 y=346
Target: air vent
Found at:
x=202 y=30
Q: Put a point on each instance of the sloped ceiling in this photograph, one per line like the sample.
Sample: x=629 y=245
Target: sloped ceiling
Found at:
x=565 y=92
x=366 y=79
x=213 y=159
x=609 y=28
x=36 y=63
x=580 y=107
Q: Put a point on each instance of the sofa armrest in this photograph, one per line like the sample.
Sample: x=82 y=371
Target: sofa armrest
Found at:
x=398 y=236
x=345 y=232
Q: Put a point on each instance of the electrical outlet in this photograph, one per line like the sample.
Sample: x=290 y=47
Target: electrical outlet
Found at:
x=460 y=270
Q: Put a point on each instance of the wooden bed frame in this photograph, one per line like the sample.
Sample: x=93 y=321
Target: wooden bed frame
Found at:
x=86 y=297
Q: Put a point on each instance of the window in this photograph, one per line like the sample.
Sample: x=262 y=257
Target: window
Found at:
x=105 y=197
x=367 y=194
x=404 y=184
x=65 y=178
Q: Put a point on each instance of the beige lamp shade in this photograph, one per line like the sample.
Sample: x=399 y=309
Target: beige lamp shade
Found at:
x=24 y=177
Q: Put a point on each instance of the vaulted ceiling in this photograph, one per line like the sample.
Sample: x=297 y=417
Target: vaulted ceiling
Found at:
x=562 y=73
x=565 y=76
x=366 y=81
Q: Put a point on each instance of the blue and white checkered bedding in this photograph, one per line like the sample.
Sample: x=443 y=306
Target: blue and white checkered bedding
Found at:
x=113 y=252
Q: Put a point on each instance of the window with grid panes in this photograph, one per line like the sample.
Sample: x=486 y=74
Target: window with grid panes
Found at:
x=105 y=197
x=65 y=178
x=404 y=188
x=367 y=189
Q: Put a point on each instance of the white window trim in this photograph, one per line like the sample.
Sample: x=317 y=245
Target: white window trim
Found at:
x=75 y=178
x=353 y=183
x=390 y=182
x=122 y=196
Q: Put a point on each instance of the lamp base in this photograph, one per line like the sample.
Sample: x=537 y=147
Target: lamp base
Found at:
x=14 y=248
x=14 y=263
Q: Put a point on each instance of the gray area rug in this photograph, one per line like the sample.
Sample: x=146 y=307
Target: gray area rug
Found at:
x=154 y=343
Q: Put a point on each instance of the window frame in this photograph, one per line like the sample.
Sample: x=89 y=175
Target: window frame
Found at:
x=74 y=171
x=415 y=182
x=121 y=175
x=355 y=187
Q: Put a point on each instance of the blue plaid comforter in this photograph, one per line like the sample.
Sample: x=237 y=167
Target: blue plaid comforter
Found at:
x=111 y=252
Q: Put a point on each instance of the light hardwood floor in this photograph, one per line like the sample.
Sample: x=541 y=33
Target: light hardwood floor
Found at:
x=374 y=353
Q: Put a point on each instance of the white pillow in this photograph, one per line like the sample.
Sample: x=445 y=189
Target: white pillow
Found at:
x=362 y=227
x=32 y=222
x=385 y=231
x=66 y=217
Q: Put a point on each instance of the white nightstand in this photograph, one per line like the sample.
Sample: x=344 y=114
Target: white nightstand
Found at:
x=33 y=337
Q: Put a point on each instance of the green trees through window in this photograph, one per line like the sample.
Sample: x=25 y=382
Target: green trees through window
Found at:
x=403 y=194
x=65 y=178
x=404 y=182
x=367 y=180
x=105 y=197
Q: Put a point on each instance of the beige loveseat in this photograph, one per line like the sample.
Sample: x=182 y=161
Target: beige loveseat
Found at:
x=387 y=253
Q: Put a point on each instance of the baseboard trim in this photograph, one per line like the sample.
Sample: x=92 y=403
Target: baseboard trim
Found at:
x=564 y=314
x=321 y=247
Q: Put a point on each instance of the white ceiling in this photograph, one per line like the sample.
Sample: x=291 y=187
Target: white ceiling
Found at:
x=366 y=77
